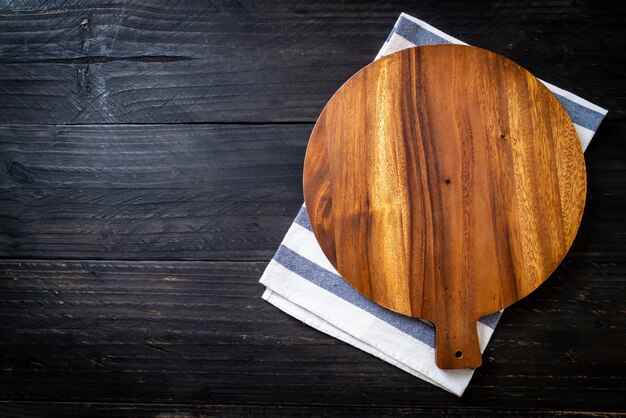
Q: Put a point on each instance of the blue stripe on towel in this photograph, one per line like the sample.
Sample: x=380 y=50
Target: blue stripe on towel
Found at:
x=302 y=219
x=338 y=286
x=491 y=320
x=416 y=34
x=580 y=114
x=420 y=36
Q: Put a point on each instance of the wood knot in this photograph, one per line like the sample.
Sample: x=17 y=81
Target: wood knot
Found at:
x=39 y=194
x=19 y=172
x=448 y=181
x=85 y=24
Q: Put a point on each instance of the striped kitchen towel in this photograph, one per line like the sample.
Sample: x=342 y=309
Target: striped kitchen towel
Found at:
x=302 y=282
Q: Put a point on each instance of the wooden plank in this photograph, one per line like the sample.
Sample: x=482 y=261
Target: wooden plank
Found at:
x=162 y=332
x=144 y=62
x=140 y=410
x=149 y=192
x=201 y=192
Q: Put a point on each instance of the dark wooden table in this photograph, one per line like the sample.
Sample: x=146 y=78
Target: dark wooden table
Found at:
x=152 y=158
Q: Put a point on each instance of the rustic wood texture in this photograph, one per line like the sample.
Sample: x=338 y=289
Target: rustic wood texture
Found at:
x=193 y=192
x=198 y=332
x=79 y=311
x=144 y=61
x=113 y=410
x=445 y=183
x=99 y=192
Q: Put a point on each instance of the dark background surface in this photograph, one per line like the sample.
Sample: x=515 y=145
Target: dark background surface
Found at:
x=151 y=159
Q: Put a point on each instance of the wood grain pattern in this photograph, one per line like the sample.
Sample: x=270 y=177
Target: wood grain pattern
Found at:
x=445 y=183
x=198 y=332
x=143 y=61
x=194 y=192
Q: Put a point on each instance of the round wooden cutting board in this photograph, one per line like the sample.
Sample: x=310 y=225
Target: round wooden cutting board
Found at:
x=445 y=182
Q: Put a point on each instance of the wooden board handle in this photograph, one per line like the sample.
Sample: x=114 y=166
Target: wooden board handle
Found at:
x=456 y=344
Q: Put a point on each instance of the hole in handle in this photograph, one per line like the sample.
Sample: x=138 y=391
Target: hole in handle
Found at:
x=456 y=343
